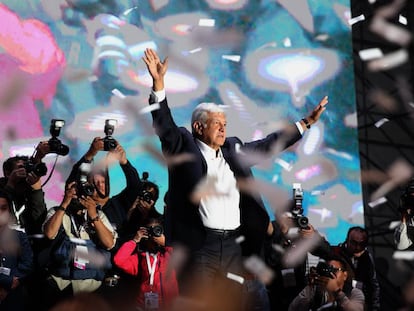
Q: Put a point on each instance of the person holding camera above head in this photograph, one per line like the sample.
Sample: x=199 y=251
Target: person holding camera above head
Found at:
x=77 y=267
x=22 y=183
x=16 y=259
x=404 y=233
x=354 y=250
x=329 y=288
x=290 y=280
x=209 y=226
x=147 y=257
x=116 y=207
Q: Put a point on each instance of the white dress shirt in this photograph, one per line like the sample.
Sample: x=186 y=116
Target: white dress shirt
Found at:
x=220 y=208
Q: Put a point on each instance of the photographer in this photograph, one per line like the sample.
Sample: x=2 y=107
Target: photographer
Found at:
x=355 y=252
x=76 y=271
x=25 y=189
x=290 y=280
x=404 y=233
x=116 y=207
x=147 y=258
x=329 y=289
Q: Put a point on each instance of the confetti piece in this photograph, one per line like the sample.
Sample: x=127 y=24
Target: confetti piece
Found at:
x=233 y=58
x=370 y=54
x=356 y=19
x=389 y=61
x=377 y=202
x=390 y=32
x=235 y=277
x=256 y=266
x=205 y=22
x=381 y=122
x=403 y=255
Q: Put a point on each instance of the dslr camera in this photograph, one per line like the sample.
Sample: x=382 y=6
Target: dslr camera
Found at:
x=39 y=169
x=297 y=208
x=83 y=187
x=407 y=198
x=155 y=231
x=108 y=140
x=54 y=142
x=146 y=196
x=323 y=269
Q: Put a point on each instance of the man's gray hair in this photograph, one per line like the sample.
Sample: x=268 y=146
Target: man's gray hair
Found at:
x=201 y=111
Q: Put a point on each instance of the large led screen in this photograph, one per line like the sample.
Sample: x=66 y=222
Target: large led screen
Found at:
x=267 y=62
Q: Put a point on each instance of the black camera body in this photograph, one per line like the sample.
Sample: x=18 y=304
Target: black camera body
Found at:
x=323 y=269
x=155 y=231
x=83 y=187
x=146 y=196
x=39 y=169
x=55 y=145
x=109 y=142
x=297 y=207
x=407 y=198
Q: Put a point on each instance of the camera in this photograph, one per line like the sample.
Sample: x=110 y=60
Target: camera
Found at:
x=155 y=231
x=323 y=269
x=146 y=196
x=55 y=145
x=108 y=140
x=39 y=169
x=407 y=198
x=297 y=208
x=84 y=188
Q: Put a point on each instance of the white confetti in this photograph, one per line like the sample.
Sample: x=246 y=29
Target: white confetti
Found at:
x=235 y=277
x=233 y=58
x=390 y=32
x=257 y=267
x=150 y=108
x=370 y=54
x=394 y=224
x=377 y=202
x=356 y=19
x=389 y=61
x=206 y=22
x=402 y=19
x=118 y=93
x=403 y=255
x=381 y=122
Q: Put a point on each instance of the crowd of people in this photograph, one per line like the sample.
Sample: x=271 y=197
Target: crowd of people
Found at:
x=126 y=255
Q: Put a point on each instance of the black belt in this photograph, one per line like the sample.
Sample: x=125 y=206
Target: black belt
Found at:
x=223 y=233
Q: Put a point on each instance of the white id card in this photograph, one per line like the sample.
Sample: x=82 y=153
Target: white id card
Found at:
x=81 y=257
x=151 y=301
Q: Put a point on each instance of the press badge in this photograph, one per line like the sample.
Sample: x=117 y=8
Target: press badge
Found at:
x=81 y=257
x=5 y=271
x=151 y=301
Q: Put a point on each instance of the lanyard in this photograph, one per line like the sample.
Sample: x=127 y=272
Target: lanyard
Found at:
x=78 y=231
x=151 y=268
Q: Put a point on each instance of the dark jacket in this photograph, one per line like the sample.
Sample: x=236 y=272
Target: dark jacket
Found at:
x=35 y=210
x=116 y=208
x=16 y=255
x=183 y=223
x=364 y=274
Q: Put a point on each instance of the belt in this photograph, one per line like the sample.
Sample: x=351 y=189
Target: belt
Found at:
x=223 y=233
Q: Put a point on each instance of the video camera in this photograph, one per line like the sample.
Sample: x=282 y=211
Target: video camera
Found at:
x=55 y=145
x=297 y=209
x=83 y=187
x=155 y=231
x=109 y=142
x=323 y=269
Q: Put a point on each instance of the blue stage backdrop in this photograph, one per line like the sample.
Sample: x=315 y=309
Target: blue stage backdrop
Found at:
x=267 y=62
